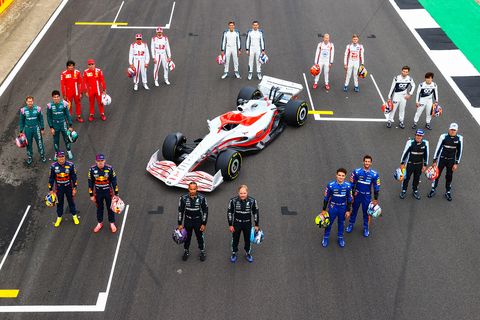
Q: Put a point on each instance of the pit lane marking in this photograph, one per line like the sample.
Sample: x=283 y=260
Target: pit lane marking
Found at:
x=102 y=296
x=324 y=112
x=167 y=26
x=93 y=23
x=8 y=293
x=316 y=116
x=14 y=237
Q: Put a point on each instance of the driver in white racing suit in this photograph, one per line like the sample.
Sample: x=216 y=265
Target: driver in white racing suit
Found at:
x=354 y=57
x=254 y=46
x=161 y=55
x=324 y=58
x=231 y=46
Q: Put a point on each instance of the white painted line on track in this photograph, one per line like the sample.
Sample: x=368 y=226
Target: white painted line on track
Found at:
x=118 y=12
x=14 y=237
x=167 y=26
x=32 y=47
x=475 y=112
x=316 y=116
x=419 y=19
x=102 y=296
x=378 y=89
x=353 y=119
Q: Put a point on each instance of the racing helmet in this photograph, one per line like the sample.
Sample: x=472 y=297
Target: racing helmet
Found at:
x=179 y=236
x=436 y=110
x=106 y=99
x=256 y=237
x=72 y=136
x=21 y=140
x=50 y=199
x=117 y=205
x=220 y=59
x=399 y=174
x=362 y=71
x=263 y=58
x=171 y=65
x=315 y=70
x=374 y=210
x=322 y=220
x=432 y=173
x=131 y=72
x=387 y=107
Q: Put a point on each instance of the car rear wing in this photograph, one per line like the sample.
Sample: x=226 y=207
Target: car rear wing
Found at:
x=272 y=87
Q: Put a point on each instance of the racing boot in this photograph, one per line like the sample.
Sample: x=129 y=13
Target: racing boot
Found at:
x=58 y=222
x=113 y=227
x=356 y=89
x=414 y=126
x=69 y=154
x=416 y=194
x=156 y=83
x=259 y=76
x=90 y=118
x=203 y=255
x=186 y=254
x=250 y=75
x=249 y=257
x=146 y=86
x=103 y=117
x=167 y=82
x=325 y=242
x=401 y=125
x=29 y=160
x=327 y=87
x=55 y=156
x=349 y=227
x=341 y=242
x=98 y=227
x=315 y=86
x=43 y=159
x=75 y=219
x=224 y=75
x=80 y=119
x=366 y=233
x=402 y=194
x=345 y=88
x=428 y=126
x=448 y=195
x=135 y=87
x=389 y=124
x=431 y=193
x=237 y=75
x=233 y=257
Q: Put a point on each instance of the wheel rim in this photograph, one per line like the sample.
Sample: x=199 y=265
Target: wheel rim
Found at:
x=302 y=114
x=234 y=166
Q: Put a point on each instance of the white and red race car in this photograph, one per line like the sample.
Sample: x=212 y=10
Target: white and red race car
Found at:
x=262 y=114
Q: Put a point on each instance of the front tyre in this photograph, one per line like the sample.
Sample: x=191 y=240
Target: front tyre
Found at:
x=172 y=146
x=229 y=163
x=296 y=112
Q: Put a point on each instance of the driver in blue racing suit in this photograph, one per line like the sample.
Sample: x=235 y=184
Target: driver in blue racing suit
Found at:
x=338 y=198
x=363 y=179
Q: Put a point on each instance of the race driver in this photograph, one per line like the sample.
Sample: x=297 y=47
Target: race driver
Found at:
x=60 y=122
x=231 y=46
x=254 y=46
x=338 y=200
x=138 y=58
x=447 y=155
x=354 y=57
x=193 y=216
x=401 y=90
x=161 y=54
x=71 y=85
x=363 y=180
x=94 y=88
x=324 y=58
x=427 y=95
x=31 y=121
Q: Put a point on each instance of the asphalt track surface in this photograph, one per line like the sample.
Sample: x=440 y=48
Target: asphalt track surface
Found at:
x=422 y=257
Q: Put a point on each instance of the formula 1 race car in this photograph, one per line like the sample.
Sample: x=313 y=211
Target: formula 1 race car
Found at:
x=262 y=114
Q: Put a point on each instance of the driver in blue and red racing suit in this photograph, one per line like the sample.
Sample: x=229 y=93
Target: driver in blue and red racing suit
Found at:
x=338 y=198
x=363 y=180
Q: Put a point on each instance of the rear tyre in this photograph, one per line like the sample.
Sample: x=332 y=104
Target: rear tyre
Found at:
x=172 y=146
x=248 y=93
x=229 y=163
x=296 y=112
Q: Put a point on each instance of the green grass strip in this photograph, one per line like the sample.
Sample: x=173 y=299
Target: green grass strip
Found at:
x=460 y=19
